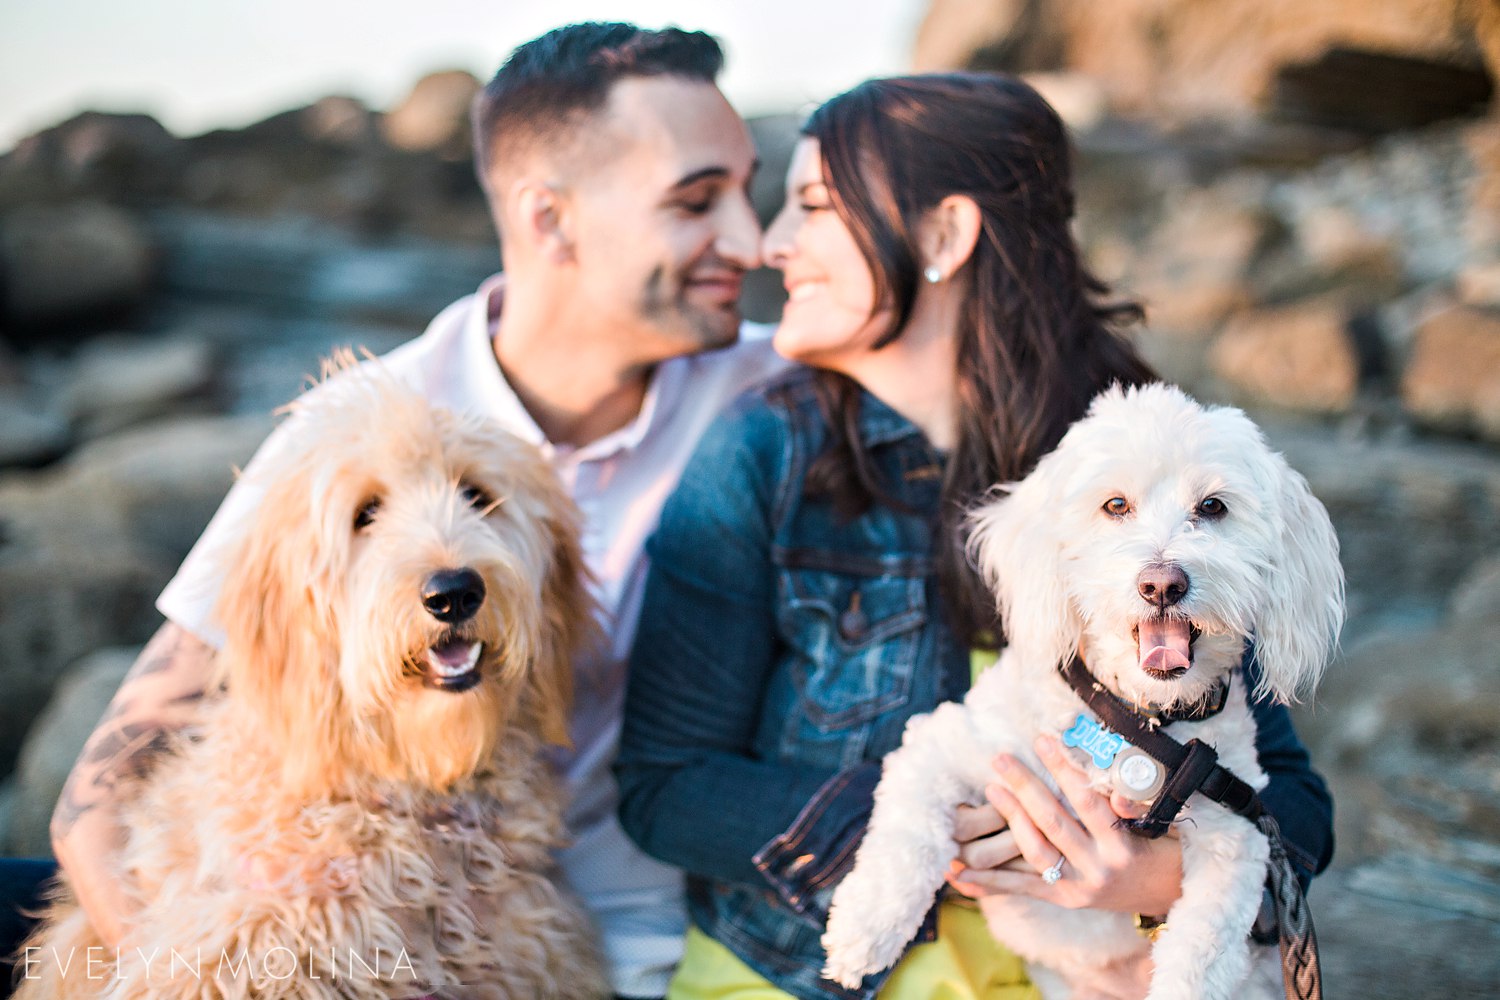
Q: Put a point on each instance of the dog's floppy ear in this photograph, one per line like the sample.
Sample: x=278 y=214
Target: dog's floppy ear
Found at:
x=1014 y=544
x=568 y=623
x=1299 y=625
x=280 y=658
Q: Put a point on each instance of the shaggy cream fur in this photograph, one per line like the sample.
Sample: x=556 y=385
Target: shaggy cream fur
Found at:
x=1126 y=489
x=362 y=812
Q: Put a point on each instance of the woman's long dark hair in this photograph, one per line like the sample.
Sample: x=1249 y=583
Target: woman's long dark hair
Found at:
x=1036 y=339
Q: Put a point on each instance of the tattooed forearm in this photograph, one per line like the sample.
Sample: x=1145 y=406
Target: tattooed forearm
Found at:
x=127 y=751
x=156 y=698
x=160 y=654
x=113 y=755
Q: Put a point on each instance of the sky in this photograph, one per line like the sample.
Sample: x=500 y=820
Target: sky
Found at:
x=202 y=64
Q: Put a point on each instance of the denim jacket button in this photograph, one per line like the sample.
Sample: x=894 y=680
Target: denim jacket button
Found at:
x=852 y=623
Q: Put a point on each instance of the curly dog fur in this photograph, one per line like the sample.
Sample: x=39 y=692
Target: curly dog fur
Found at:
x=1148 y=483
x=366 y=810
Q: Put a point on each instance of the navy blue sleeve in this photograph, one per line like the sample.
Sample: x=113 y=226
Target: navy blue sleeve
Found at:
x=1297 y=796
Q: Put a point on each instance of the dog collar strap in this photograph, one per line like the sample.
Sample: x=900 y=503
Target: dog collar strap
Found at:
x=1193 y=767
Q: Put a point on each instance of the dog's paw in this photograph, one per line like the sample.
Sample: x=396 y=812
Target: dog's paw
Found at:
x=853 y=954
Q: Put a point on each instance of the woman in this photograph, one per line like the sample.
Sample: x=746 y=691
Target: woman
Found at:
x=809 y=591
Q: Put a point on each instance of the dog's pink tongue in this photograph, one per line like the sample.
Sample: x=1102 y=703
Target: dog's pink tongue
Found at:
x=1166 y=645
x=453 y=654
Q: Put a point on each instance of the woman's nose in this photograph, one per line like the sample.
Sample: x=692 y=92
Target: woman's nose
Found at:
x=776 y=246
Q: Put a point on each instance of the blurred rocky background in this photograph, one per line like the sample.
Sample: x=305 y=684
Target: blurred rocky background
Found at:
x=1305 y=196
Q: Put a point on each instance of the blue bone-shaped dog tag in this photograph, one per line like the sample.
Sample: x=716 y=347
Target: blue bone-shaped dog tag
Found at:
x=1092 y=738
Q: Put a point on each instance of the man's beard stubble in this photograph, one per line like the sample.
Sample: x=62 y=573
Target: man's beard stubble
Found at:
x=665 y=305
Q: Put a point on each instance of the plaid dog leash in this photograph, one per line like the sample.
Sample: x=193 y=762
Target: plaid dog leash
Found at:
x=1194 y=767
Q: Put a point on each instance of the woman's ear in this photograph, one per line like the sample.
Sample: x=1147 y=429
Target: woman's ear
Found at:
x=949 y=234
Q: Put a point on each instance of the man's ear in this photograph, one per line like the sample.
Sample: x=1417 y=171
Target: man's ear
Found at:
x=540 y=217
x=949 y=234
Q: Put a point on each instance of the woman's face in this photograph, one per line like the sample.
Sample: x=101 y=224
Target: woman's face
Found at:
x=830 y=314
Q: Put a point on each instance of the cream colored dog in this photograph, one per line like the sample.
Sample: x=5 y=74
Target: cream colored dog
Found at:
x=1149 y=491
x=366 y=811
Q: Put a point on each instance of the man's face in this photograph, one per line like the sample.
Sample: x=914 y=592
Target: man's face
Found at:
x=664 y=227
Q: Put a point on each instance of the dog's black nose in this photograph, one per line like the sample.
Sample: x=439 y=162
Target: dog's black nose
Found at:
x=453 y=595
x=1162 y=584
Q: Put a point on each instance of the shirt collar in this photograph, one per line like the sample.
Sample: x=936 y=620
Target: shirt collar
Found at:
x=879 y=424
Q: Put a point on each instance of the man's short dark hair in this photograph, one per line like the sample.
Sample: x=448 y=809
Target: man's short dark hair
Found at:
x=551 y=82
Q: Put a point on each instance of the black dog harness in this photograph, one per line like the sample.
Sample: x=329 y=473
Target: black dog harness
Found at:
x=1195 y=767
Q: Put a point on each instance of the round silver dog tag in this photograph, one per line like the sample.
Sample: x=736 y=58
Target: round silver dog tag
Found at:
x=1138 y=776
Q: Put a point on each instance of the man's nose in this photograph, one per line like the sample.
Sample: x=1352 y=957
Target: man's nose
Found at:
x=739 y=233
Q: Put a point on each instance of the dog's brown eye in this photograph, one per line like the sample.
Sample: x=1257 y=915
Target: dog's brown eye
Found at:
x=1212 y=508
x=1116 y=507
x=474 y=496
x=365 y=516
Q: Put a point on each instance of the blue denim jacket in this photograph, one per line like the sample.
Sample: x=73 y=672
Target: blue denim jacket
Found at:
x=779 y=655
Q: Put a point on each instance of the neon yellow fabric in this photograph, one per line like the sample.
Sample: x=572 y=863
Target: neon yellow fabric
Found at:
x=980 y=660
x=964 y=963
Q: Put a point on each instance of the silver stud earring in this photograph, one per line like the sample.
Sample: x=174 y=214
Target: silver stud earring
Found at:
x=933 y=275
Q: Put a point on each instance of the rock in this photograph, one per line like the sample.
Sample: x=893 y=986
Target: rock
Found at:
x=434 y=117
x=166 y=479
x=29 y=434
x=1477 y=596
x=121 y=381
x=1300 y=357
x=1333 y=238
x=1379 y=940
x=1197 y=262
x=1078 y=99
x=71 y=263
x=1453 y=379
x=7 y=807
x=1407 y=732
x=1371 y=91
x=115 y=157
x=1217 y=58
x=53 y=743
x=1008 y=35
x=58 y=604
x=1481 y=223
x=1413 y=517
x=1479 y=285
x=1191 y=306
x=301 y=267
x=85 y=547
x=338 y=121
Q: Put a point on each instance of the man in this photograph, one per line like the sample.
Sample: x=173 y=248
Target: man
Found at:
x=617 y=176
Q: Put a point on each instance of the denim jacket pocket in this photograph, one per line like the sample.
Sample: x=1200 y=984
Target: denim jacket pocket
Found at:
x=857 y=640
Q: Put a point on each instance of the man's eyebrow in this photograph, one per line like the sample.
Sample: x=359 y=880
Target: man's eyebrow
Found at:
x=708 y=173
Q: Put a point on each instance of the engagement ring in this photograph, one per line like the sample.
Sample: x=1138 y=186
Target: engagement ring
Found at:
x=1054 y=874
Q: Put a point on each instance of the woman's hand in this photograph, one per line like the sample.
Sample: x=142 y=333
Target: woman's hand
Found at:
x=1104 y=867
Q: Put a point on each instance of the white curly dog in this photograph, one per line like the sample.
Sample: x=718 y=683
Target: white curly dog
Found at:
x=1155 y=541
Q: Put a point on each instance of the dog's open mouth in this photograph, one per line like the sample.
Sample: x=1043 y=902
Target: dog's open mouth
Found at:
x=1166 y=646
x=452 y=665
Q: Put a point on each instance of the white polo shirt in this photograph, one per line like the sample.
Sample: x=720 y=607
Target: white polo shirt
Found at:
x=620 y=483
